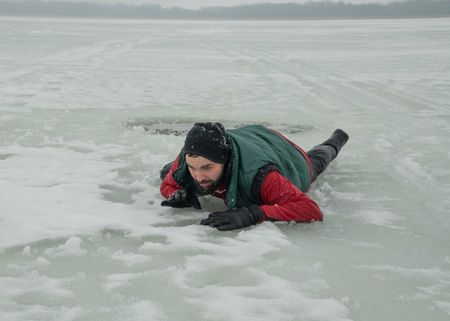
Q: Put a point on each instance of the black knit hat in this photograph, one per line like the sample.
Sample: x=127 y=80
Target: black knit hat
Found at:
x=208 y=140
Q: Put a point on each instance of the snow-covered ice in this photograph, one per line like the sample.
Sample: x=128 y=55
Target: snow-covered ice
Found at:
x=83 y=236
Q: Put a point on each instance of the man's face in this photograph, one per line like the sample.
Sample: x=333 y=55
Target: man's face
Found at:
x=205 y=173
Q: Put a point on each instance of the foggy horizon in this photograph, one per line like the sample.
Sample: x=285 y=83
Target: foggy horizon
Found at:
x=285 y=10
x=199 y=4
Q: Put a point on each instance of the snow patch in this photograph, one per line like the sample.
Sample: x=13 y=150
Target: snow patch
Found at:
x=382 y=218
x=72 y=247
x=130 y=259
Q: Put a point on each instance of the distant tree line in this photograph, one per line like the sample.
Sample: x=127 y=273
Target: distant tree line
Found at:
x=310 y=10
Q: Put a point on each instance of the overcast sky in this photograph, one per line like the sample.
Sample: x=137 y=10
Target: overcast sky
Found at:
x=202 y=3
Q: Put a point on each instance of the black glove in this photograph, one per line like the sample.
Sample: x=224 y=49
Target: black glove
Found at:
x=235 y=218
x=182 y=198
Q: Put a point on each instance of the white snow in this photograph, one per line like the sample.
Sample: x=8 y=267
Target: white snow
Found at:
x=83 y=236
x=130 y=259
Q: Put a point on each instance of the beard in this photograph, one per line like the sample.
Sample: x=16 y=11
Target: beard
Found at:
x=212 y=185
x=206 y=190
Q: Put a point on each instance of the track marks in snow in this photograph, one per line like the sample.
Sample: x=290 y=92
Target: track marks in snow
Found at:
x=336 y=92
x=58 y=74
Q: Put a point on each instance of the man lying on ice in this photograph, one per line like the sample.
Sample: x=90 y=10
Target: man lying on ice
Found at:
x=260 y=174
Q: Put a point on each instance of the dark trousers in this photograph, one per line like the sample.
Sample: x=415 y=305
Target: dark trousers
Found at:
x=321 y=156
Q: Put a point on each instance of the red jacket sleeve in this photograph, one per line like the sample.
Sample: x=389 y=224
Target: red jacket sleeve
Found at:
x=169 y=185
x=283 y=201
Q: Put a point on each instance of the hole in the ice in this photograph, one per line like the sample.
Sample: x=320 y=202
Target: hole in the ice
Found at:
x=179 y=127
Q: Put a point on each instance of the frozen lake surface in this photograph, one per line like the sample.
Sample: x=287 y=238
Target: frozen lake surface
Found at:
x=84 y=110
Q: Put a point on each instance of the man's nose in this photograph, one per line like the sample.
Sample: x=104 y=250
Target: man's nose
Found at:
x=199 y=176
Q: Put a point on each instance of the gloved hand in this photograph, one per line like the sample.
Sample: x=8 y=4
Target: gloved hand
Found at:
x=182 y=198
x=235 y=218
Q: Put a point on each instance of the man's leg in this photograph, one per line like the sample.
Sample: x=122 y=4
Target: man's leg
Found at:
x=322 y=155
